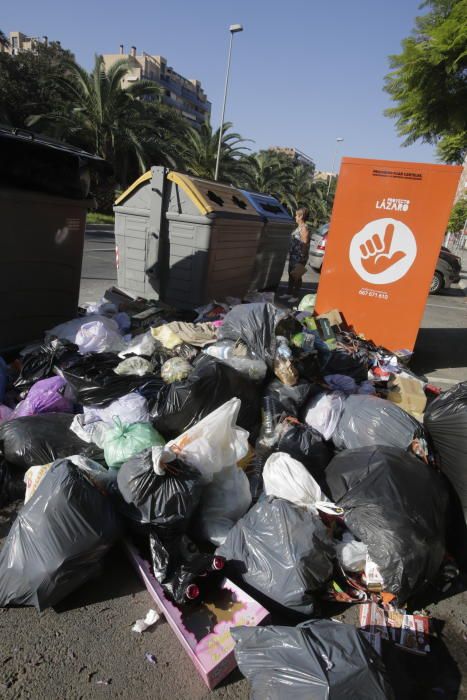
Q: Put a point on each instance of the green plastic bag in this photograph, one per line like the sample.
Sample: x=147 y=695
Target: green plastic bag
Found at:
x=307 y=303
x=124 y=441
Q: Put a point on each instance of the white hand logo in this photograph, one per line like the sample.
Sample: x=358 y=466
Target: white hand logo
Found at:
x=383 y=251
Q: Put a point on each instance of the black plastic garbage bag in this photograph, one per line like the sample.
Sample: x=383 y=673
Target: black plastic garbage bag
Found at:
x=94 y=381
x=178 y=406
x=34 y=440
x=12 y=486
x=289 y=399
x=307 y=446
x=368 y=420
x=281 y=550
x=167 y=501
x=446 y=421
x=397 y=505
x=39 y=364
x=178 y=563
x=58 y=539
x=319 y=660
x=255 y=324
x=353 y=365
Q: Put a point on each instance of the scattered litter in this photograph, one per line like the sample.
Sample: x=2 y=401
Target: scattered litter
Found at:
x=142 y=625
x=150 y=657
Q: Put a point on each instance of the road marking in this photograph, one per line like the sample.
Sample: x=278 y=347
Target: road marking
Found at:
x=445 y=306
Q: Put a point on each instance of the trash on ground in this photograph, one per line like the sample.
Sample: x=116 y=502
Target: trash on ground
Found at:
x=241 y=438
x=145 y=623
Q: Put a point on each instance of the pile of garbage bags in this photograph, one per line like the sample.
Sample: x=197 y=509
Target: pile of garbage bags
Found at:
x=240 y=439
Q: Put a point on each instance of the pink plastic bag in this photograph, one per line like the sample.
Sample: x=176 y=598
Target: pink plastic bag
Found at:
x=44 y=396
x=5 y=413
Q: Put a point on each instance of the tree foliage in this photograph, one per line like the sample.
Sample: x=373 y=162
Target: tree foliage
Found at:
x=199 y=153
x=428 y=80
x=46 y=91
x=458 y=217
x=29 y=82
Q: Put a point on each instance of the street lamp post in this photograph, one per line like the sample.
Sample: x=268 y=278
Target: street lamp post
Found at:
x=233 y=29
x=338 y=141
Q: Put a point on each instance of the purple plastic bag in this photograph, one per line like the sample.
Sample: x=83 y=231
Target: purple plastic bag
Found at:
x=45 y=396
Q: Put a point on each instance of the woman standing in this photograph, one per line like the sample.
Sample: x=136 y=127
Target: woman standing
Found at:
x=298 y=251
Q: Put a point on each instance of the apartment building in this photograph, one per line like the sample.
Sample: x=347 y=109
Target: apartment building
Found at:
x=17 y=41
x=185 y=95
x=295 y=154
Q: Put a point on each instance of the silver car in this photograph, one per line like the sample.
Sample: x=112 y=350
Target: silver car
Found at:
x=318 y=247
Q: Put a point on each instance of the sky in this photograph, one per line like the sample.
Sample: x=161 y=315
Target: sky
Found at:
x=304 y=72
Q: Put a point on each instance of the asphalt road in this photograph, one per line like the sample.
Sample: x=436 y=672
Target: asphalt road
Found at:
x=86 y=649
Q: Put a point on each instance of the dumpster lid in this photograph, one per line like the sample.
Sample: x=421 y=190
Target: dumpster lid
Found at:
x=24 y=136
x=143 y=178
x=268 y=206
x=213 y=197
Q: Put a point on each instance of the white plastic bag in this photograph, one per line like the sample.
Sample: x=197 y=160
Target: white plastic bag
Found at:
x=224 y=501
x=285 y=477
x=213 y=443
x=99 y=335
x=131 y=408
x=351 y=553
x=143 y=344
x=323 y=413
x=92 y=333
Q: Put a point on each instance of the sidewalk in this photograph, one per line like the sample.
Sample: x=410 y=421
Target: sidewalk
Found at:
x=463 y=280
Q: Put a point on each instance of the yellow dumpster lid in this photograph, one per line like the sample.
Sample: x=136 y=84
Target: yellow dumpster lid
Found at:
x=211 y=196
x=133 y=186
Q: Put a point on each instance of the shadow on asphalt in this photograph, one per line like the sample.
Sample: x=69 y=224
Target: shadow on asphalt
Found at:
x=451 y=292
x=439 y=347
x=115 y=580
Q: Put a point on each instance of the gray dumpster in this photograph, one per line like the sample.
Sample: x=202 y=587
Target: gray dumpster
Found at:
x=274 y=242
x=43 y=190
x=185 y=240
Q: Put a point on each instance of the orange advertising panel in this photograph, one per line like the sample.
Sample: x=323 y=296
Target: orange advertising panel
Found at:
x=386 y=230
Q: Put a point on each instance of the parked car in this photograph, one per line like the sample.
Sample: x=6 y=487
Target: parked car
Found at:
x=447 y=271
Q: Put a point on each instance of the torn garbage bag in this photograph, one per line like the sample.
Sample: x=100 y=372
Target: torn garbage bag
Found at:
x=284 y=477
x=180 y=405
x=318 y=660
x=45 y=396
x=255 y=324
x=396 y=505
x=27 y=442
x=122 y=441
x=446 y=421
x=281 y=550
x=306 y=445
x=58 y=539
x=39 y=362
x=368 y=420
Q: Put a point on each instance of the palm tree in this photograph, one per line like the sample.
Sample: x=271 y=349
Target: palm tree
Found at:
x=4 y=43
x=128 y=127
x=199 y=153
x=268 y=172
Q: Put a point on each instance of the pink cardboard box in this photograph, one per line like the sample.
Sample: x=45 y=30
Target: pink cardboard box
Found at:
x=203 y=629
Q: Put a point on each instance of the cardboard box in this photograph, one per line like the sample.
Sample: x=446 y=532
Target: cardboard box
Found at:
x=408 y=394
x=203 y=629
